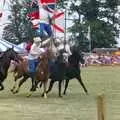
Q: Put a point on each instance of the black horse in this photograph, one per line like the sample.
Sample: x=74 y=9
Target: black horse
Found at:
x=72 y=70
x=57 y=72
x=5 y=60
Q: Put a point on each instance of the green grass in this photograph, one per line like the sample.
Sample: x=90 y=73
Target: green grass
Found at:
x=75 y=106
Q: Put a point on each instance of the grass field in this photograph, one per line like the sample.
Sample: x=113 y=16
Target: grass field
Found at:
x=75 y=106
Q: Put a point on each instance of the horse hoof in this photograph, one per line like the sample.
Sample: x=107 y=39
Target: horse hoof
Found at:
x=42 y=95
x=64 y=93
x=1 y=89
x=11 y=90
x=45 y=96
x=15 y=92
x=29 y=94
x=60 y=96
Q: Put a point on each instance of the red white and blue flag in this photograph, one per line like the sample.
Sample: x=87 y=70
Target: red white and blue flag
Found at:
x=48 y=1
x=59 y=21
x=57 y=16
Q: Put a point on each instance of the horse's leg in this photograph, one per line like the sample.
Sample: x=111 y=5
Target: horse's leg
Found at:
x=1 y=86
x=45 y=85
x=60 y=82
x=81 y=82
x=34 y=81
x=34 y=86
x=15 y=80
x=50 y=86
x=66 y=86
x=40 y=85
x=20 y=84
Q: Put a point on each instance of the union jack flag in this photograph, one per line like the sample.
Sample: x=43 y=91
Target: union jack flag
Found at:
x=48 y=1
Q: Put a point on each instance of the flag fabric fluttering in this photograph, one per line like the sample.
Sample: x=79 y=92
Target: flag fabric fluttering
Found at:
x=48 y=2
x=59 y=22
x=33 y=15
x=57 y=15
x=35 y=18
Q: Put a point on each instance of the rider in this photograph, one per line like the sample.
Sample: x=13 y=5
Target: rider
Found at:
x=34 y=53
x=45 y=21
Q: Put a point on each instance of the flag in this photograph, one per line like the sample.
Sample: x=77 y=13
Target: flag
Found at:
x=59 y=21
x=48 y=1
x=51 y=4
x=33 y=15
x=51 y=8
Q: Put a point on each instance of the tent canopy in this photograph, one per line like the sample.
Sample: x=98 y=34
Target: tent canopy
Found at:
x=4 y=45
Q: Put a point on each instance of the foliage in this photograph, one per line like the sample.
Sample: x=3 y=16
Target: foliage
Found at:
x=102 y=19
x=19 y=28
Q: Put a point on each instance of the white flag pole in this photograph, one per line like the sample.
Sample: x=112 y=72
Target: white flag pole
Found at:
x=89 y=38
x=65 y=27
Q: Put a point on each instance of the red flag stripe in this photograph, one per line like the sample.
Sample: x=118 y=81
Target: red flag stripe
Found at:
x=47 y=1
x=58 y=28
x=57 y=16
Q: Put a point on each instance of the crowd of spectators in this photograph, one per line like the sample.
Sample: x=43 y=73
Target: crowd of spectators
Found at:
x=103 y=59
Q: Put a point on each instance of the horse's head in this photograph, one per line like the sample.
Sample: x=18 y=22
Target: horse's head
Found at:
x=62 y=56
x=82 y=58
x=77 y=54
x=44 y=57
x=10 y=53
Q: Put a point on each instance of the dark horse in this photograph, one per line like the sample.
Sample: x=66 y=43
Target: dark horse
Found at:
x=58 y=70
x=72 y=71
x=5 y=60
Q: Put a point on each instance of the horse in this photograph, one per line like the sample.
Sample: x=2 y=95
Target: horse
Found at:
x=22 y=71
x=41 y=75
x=21 y=68
x=5 y=61
x=72 y=71
x=58 y=70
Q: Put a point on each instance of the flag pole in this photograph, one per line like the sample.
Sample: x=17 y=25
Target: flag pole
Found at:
x=89 y=38
x=65 y=28
x=54 y=21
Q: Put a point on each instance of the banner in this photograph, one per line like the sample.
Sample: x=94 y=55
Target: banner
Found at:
x=48 y=1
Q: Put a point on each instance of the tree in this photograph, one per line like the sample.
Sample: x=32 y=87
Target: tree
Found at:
x=103 y=24
x=19 y=29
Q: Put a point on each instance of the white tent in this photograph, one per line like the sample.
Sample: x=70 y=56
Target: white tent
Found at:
x=4 y=45
x=22 y=45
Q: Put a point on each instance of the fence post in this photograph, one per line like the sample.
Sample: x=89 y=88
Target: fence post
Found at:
x=101 y=107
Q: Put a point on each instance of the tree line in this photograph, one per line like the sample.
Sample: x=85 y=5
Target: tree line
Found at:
x=101 y=16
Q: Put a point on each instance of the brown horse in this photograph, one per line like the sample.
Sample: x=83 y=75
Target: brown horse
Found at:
x=21 y=70
x=42 y=74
